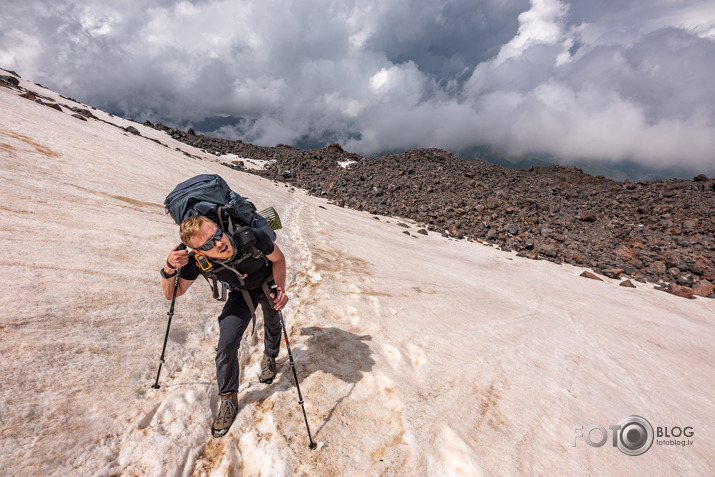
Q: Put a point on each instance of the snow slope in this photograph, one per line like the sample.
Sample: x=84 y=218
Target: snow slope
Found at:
x=416 y=355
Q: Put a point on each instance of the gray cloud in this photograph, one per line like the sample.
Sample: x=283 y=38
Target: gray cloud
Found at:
x=597 y=79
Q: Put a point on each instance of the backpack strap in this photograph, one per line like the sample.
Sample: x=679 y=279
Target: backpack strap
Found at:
x=246 y=295
x=267 y=290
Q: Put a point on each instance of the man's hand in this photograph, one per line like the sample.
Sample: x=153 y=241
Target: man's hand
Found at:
x=280 y=299
x=177 y=258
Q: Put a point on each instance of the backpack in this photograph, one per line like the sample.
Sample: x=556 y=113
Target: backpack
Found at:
x=210 y=195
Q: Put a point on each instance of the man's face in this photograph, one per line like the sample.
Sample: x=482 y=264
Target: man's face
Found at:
x=222 y=248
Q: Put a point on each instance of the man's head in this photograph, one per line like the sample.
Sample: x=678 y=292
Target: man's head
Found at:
x=199 y=232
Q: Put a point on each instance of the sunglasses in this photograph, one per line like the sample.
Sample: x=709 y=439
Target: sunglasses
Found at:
x=211 y=243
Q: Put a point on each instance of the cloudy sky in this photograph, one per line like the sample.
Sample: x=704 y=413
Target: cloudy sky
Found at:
x=604 y=80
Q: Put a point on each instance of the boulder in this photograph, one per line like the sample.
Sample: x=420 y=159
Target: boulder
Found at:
x=613 y=272
x=84 y=112
x=703 y=288
x=592 y=276
x=549 y=249
x=586 y=217
x=679 y=290
x=9 y=80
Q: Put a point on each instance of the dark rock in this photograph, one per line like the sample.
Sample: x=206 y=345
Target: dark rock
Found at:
x=84 y=112
x=675 y=261
x=659 y=267
x=613 y=272
x=687 y=279
x=681 y=291
x=592 y=276
x=133 y=130
x=549 y=249
x=703 y=288
x=674 y=271
x=512 y=229
x=54 y=106
x=79 y=116
x=422 y=231
x=9 y=80
x=700 y=178
x=586 y=217
x=689 y=226
x=699 y=267
x=627 y=283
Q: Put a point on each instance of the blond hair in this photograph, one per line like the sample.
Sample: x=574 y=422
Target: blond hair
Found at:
x=191 y=227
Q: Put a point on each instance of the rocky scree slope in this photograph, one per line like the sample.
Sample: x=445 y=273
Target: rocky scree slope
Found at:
x=661 y=231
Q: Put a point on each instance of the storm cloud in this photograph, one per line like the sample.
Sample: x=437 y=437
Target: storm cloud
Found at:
x=578 y=80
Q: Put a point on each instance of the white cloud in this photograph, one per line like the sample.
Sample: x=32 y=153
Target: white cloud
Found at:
x=542 y=24
x=598 y=78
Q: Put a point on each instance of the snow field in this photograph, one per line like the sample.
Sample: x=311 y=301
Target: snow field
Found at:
x=416 y=356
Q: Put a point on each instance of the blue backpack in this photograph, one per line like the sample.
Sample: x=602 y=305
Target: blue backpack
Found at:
x=210 y=195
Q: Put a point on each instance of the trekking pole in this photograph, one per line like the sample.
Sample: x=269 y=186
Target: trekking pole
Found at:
x=312 y=445
x=295 y=376
x=168 y=325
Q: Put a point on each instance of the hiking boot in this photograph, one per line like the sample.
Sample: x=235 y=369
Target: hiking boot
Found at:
x=268 y=369
x=226 y=414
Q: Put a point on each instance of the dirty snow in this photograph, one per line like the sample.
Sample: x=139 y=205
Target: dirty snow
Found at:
x=248 y=163
x=417 y=355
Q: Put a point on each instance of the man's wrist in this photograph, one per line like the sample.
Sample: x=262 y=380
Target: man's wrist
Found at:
x=171 y=273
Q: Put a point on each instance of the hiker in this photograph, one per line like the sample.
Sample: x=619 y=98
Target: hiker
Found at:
x=244 y=260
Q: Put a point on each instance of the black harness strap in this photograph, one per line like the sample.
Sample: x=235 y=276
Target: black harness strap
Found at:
x=218 y=293
x=246 y=294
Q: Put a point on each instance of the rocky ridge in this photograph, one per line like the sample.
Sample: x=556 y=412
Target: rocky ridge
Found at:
x=661 y=231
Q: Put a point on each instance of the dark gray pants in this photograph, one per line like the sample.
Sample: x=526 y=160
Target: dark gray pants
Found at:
x=233 y=321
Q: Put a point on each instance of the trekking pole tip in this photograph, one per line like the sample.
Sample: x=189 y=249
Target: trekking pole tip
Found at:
x=312 y=446
x=155 y=386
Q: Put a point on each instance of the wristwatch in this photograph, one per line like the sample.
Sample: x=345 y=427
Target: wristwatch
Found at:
x=166 y=275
